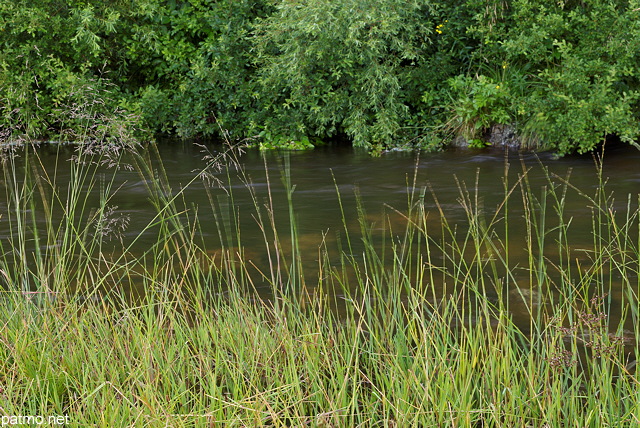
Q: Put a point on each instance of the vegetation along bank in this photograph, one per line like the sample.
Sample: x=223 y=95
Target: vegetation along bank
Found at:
x=383 y=73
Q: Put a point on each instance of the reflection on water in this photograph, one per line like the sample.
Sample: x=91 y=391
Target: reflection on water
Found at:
x=381 y=190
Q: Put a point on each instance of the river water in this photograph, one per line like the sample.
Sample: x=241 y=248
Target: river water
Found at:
x=329 y=184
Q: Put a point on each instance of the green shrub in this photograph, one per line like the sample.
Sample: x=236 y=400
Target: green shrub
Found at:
x=330 y=67
x=477 y=104
x=584 y=58
x=195 y=72
x=58 y=57
x=185 y=66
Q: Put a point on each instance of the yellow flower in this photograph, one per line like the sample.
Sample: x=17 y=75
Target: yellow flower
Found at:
x=498 y=87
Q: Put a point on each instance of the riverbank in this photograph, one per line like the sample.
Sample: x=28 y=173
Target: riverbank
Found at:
x=416 y=327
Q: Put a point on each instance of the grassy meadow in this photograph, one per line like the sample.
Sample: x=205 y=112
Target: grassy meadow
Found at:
x=416 y=330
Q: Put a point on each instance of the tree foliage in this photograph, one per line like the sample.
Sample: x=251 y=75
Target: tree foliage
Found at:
x=384 y=73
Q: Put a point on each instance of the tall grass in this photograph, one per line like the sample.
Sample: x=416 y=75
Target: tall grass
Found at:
x=413 y=327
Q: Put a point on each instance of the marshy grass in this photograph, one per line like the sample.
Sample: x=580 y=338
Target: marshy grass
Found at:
x=410 y=324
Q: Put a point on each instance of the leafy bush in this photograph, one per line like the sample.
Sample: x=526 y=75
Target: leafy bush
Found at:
x=585 y=57
x=342 y=66
x=183 y=65
x=55 y=61
x=195 y=64
x=477 y=103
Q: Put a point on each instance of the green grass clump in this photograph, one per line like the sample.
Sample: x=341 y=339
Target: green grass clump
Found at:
x=417 y=329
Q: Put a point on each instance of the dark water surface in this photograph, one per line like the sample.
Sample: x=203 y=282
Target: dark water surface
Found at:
x=382 y=185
